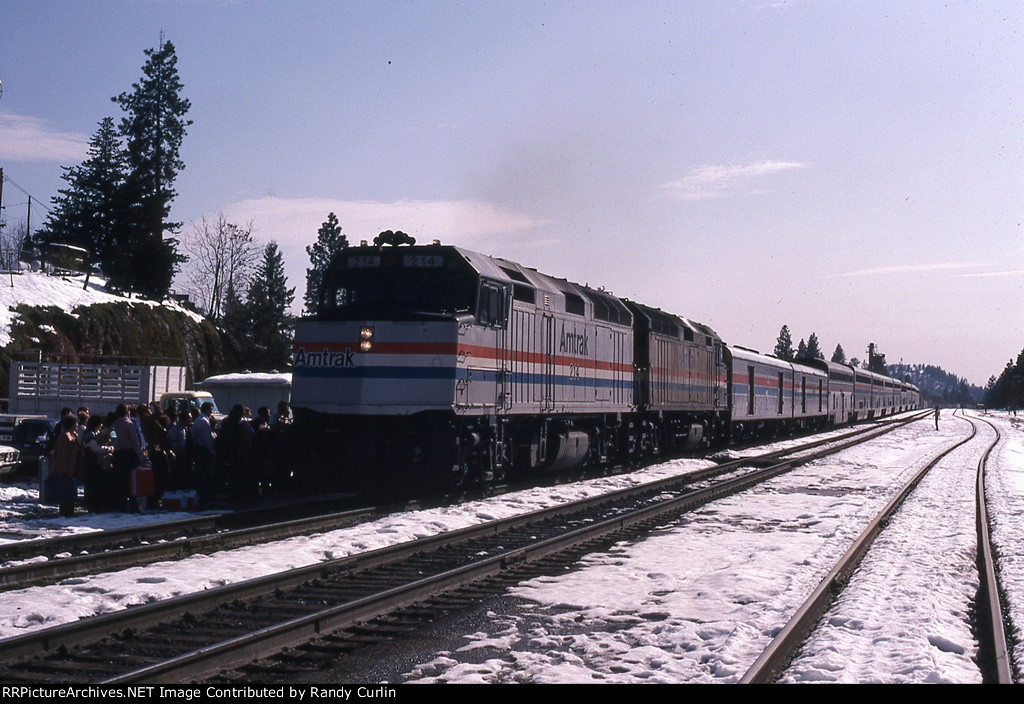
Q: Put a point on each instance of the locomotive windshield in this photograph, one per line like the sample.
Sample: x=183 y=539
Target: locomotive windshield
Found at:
x=410 y=284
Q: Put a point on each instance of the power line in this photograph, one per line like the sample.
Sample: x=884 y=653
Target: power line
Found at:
x=14 y=183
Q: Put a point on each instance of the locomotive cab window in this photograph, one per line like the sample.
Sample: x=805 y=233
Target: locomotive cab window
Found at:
x=398 y=286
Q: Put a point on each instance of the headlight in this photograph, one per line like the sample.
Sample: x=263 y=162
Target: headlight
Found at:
x=366 y=339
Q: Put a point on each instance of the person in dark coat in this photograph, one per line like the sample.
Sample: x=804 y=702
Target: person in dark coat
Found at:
x=262 y=463
x=234 y=452
x=155 y=434
x=97 y=473
x=177 y=445
x=66 y=466
x=128 y=453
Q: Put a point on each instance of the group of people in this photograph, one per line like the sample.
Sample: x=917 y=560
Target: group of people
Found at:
x=133 y=455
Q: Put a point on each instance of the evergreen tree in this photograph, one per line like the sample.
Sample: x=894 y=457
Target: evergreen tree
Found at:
x=153 y=128
x=813 y=349
x=329 y=241
x=1007 y=391
x=801 y=350
x=839 y=356
x=268 y=303
x=784 y=344
x=87 y=213
x=235 y=323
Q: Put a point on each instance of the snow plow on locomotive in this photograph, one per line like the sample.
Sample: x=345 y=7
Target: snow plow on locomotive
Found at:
x=434 y=366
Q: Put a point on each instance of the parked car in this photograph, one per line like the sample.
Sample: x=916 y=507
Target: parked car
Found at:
x=9 y=459
x=33 y=438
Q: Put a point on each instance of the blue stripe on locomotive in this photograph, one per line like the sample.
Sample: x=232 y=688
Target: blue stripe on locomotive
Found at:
x=460 y=374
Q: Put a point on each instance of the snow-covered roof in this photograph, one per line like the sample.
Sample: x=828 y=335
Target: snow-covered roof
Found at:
x=247 y=379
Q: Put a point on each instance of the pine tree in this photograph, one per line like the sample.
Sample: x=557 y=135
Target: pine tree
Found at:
x=813 y=349
x=839 y=356
x=268 y=303
x=329 y=241
x=153 y=128
x=784 y=344
x=801 y=350
x=235 y=323
x=87 y=212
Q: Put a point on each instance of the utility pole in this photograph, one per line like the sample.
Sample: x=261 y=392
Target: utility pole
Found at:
x=11 y=267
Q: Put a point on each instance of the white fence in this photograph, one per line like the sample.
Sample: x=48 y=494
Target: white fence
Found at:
x=46 y=387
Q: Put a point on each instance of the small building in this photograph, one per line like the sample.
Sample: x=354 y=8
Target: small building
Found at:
x=251 y=389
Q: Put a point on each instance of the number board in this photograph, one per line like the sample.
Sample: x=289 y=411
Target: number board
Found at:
x=363 y=261
x=432 y=261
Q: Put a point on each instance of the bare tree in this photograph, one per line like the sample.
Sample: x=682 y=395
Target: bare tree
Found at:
x=220 y=254
x=12 y=240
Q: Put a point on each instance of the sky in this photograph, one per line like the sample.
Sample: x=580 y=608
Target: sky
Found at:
x=852 y=169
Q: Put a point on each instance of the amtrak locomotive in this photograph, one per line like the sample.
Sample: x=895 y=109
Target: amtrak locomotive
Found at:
x=439 y=366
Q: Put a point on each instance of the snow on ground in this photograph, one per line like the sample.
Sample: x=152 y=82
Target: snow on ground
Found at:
x=64 y=292
x=39 y=607
x=694 y=602
x=904 y=616
x=21 y=518
x=698 y=600
x=1005 y=487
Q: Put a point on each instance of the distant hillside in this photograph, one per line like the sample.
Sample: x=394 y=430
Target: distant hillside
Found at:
x=58 y=318
x=937 y=385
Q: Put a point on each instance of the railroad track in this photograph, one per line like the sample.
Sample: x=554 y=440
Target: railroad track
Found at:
x=993 y=654
x=323 y=607
x=105 y=551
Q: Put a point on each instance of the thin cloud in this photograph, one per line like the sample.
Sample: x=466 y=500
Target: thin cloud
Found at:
x=992 y=274
x=908 y=269
x=425 y=220
x=716 y=181
x=24 y=138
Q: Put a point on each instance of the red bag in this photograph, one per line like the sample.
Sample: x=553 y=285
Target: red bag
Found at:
x=143 y=482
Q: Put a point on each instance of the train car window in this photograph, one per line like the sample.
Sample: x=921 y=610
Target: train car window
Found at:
x=574 y=304
x=688 y=334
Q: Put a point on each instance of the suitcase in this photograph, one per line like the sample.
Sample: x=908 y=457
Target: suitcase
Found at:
x=143 y=482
